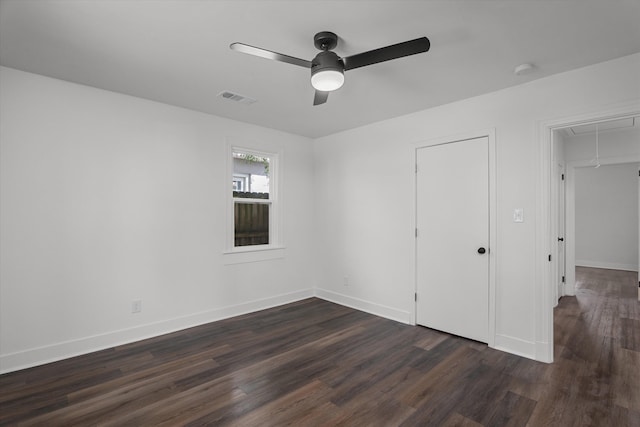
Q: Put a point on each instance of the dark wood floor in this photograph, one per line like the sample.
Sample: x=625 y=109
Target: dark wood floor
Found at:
x=317 y=363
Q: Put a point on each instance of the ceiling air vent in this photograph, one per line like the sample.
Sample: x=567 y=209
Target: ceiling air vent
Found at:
x=237 y=97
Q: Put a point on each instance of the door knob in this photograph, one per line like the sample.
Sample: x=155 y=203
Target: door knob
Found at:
x=560 y=239
x=481 y=250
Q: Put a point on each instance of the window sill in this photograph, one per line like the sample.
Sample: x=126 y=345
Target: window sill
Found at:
x=253 y=254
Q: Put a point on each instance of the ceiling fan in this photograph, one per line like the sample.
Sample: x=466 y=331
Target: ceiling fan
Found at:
x=327 y=68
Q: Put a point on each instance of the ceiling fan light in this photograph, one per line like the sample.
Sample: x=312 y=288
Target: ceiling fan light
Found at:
x=327 y=80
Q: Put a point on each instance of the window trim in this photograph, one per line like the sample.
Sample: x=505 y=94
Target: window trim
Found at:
x=274 y=248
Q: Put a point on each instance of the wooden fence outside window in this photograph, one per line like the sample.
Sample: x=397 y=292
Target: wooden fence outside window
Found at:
x=251 y=219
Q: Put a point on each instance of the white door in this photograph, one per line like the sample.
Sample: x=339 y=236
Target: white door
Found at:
x=452 y=182
x=561 y=275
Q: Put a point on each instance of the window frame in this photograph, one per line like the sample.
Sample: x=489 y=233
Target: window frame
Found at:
x=274 y=202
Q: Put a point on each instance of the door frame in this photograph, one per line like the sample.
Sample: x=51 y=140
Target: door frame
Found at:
x=490 y=134
x=545 y=250
x=559 y=226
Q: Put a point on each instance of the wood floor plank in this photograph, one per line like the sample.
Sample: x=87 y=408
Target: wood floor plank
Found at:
x=290 y=407
x=180 y=408
x=313 y=362
x=512 y=410
x=630 y=338
x=430 y=340
x=457 y=420
x=620 y=416
x=118 y=400
x=441 y=384
x=626 y=379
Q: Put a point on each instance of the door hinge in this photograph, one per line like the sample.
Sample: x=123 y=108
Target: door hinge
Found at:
x=416 y=231
x=549 y=257
x=416 y=168
x=562 y=279
x=415 y=296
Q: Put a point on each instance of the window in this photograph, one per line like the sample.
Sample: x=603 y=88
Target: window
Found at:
x=241 y=182
x=253 y=198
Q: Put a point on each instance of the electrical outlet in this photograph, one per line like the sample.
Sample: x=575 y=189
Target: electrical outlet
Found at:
x=136 y=306
x=346 y=280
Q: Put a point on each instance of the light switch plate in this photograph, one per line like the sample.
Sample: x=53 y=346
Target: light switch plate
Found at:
x=518 y=215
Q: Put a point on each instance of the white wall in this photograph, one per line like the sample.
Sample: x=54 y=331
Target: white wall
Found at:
x=107 y=198
x=365 y=219
x=606 y=220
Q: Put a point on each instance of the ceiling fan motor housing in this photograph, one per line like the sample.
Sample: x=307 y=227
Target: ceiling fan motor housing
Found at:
x=326 y=60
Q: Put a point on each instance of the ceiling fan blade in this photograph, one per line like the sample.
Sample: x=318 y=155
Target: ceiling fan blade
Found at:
x=388 y=53
x=320 y=97
x=263 y=53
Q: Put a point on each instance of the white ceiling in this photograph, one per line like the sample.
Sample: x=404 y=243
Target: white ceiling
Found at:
x=177 y=51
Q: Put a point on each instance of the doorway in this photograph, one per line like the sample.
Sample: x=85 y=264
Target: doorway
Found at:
x=546 y=245
x=453 y=237
x=604 y=155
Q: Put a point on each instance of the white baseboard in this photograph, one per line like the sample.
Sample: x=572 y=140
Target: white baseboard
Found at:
x=64 y=350
x=515 y=346
x=366 y=306
x=544 y=352
x=607 y=265
x=569 y=290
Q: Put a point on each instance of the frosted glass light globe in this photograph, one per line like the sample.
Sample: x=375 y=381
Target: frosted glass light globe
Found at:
x=327 y=81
